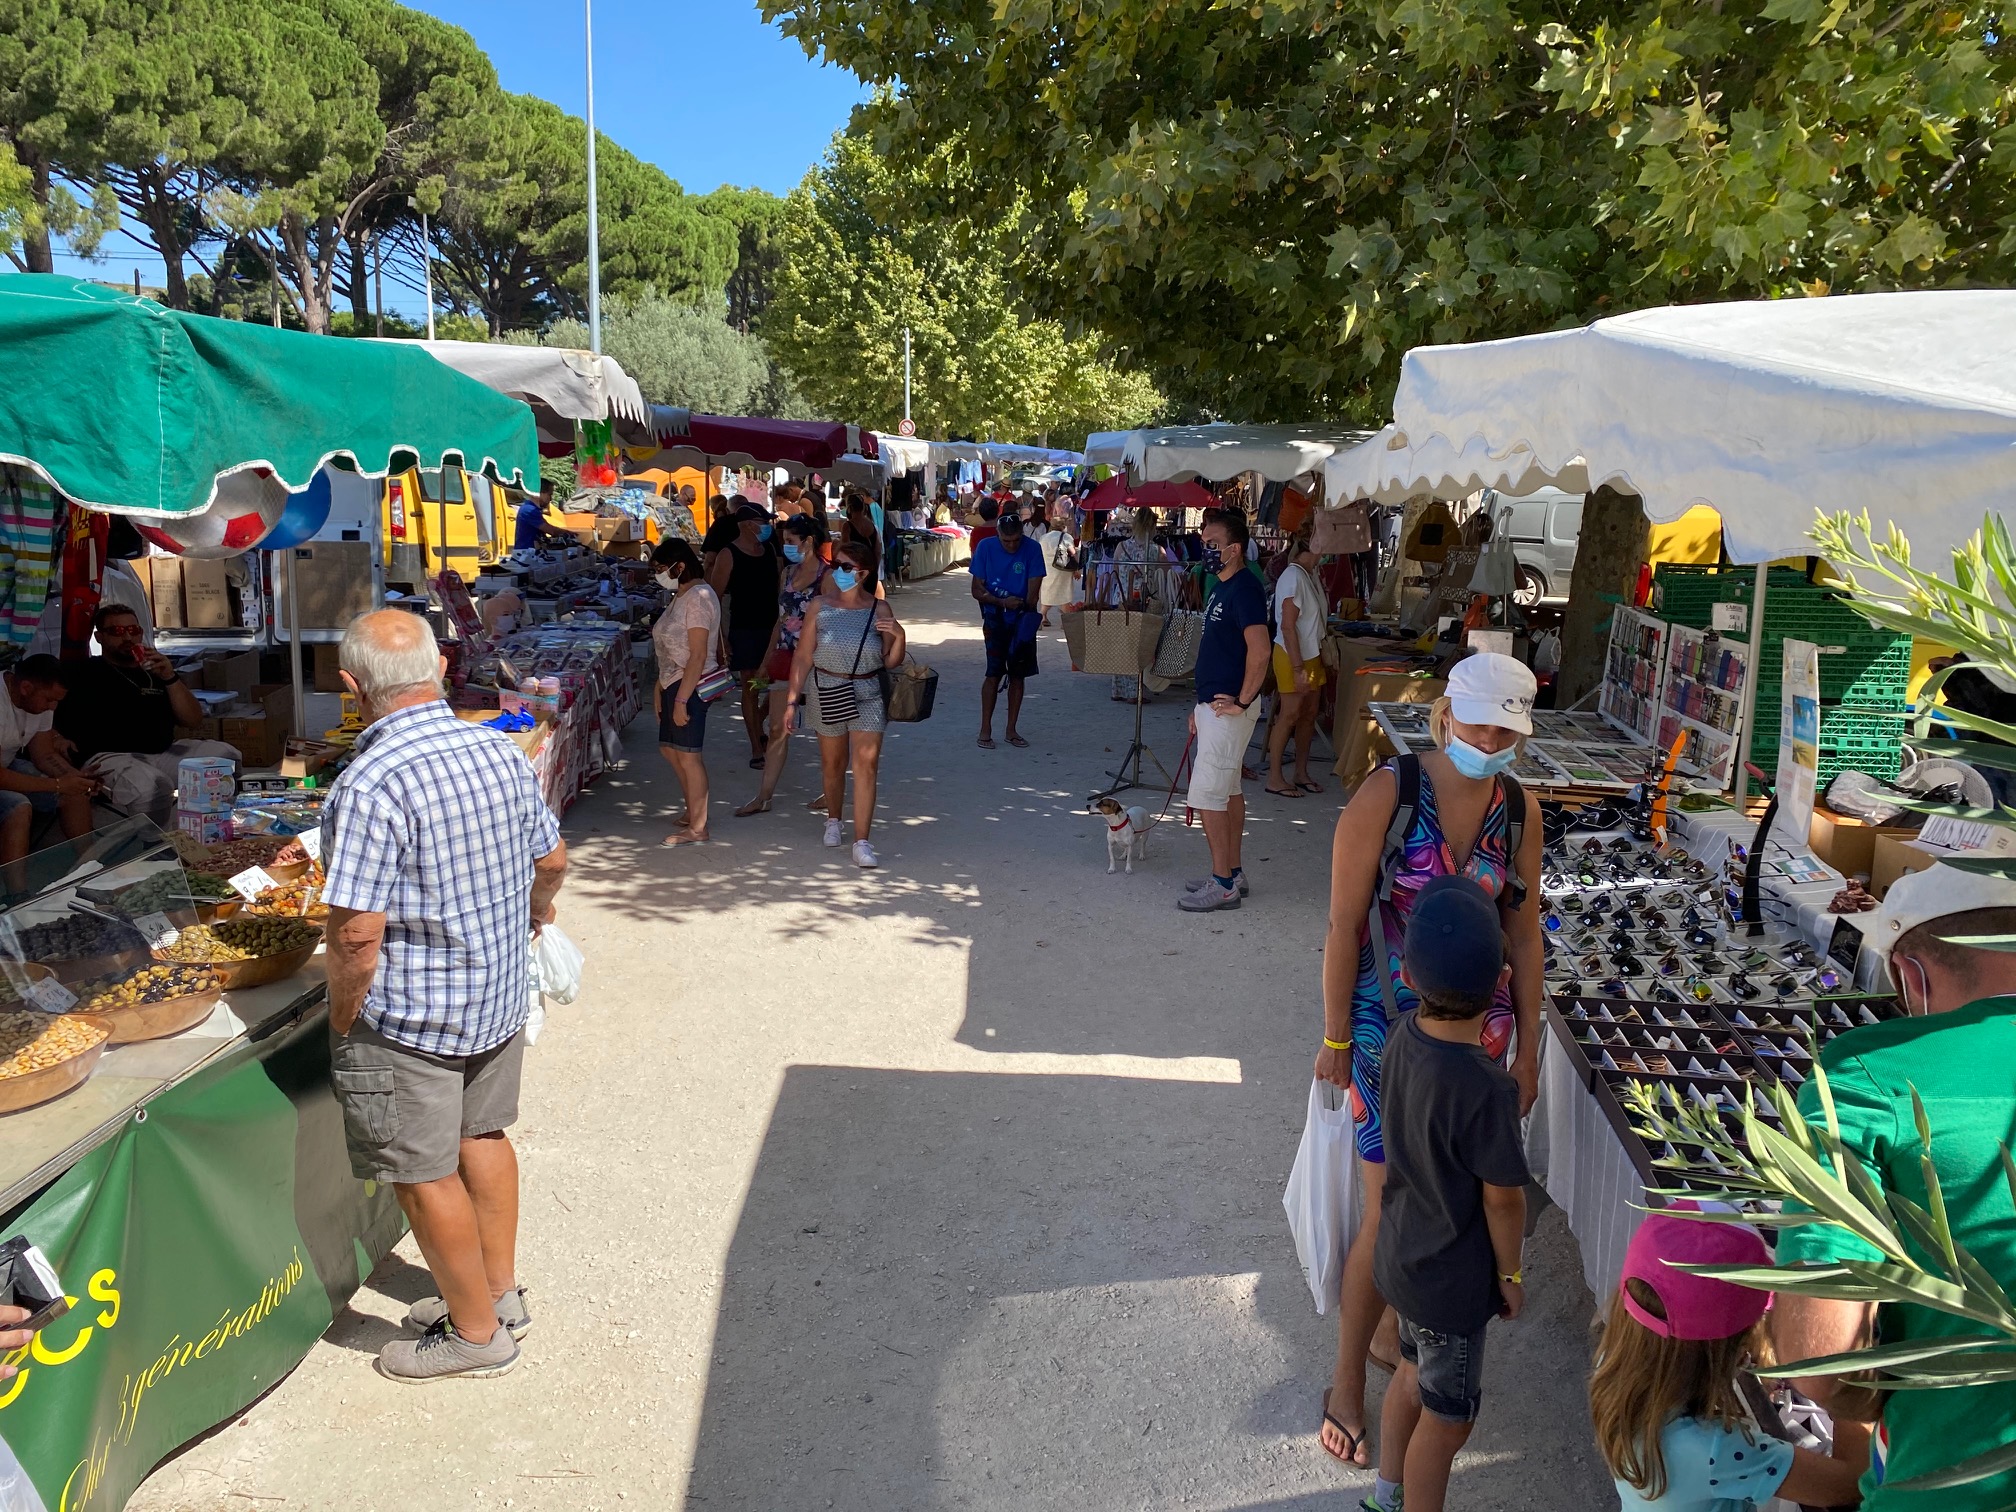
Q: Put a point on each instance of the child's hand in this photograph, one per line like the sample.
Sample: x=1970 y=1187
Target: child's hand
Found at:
x=1515 y=1299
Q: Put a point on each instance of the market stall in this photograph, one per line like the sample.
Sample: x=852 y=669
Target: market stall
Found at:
x=167 y=1133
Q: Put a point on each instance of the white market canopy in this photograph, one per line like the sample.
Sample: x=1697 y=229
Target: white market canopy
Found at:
x=1279 y=453
x=908 y=453
x=1769 y=412
x=561 y=385
x=1107 y=449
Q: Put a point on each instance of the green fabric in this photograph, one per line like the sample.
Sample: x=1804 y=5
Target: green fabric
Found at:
x=129 y=406
x=1963 y=1064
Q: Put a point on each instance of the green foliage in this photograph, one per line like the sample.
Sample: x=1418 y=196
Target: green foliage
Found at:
x=52 y=85
x=1272 y=201
x=761 y=226
x=858 y=269
x=1805 y=1176
x=513 y=232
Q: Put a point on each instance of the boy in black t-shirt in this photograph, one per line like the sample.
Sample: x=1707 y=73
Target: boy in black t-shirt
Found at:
x=1454 y=1210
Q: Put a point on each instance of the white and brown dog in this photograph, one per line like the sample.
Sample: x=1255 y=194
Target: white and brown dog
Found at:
x=1127 y=828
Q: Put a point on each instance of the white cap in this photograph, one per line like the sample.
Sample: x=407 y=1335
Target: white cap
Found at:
x=1486 y=688
x=1937 y=892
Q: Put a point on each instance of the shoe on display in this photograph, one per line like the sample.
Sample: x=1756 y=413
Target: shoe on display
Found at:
x=512 y=1312
x=835 y=835
x=1209 y=898
x=1198 y=884
x=864 y=854
x=441 y=1354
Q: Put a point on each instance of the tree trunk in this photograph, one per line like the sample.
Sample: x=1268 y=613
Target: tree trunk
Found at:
x=35 y=249
x=360 y=280
x=1614 y=546
x=311 y=275
x=157 y=212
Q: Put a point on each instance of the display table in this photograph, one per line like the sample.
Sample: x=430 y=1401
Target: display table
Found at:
x=929 y=556
x=1360 y=746
x=196 y=1199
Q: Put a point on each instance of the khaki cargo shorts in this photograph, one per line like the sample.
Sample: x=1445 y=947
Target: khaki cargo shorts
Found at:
x=406 y=1113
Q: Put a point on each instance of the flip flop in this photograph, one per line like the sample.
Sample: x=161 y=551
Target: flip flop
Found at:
x=1018 y=742
x=1287 y=792
x=1310 y=787
x=985 y=743
x=1391 y=1367
x=1353 y=1442
x=753 y=807
x=685 y=837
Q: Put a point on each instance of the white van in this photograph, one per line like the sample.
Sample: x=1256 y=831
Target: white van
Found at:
x=1544 y=528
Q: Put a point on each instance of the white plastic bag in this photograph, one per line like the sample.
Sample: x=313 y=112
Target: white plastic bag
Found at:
x=557 y=962
x=1322 y=1195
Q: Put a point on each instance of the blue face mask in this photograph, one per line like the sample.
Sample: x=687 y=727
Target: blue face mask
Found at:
x=1474 y=763
x=793 y=552
x=844 y=580
x=766 y=532
x=1214 y=559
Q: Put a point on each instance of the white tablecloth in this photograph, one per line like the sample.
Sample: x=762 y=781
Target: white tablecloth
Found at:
x=1575 y=1153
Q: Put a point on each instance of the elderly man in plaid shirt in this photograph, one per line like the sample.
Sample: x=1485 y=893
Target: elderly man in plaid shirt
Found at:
x=443 y=860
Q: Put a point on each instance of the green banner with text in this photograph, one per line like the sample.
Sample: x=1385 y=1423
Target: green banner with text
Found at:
x=205 y=1249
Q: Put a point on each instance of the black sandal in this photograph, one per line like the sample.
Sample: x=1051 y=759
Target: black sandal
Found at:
x=1353 y=1442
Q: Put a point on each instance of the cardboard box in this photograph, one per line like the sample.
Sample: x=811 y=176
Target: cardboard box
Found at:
x=260 y=725
x=335 y=582
x=1896 y=858
x=206 y=600
x=164 y=576
x=302 y=758
x=1847 y=844
x=629 y=551
x=230 y=671
x=326 y=680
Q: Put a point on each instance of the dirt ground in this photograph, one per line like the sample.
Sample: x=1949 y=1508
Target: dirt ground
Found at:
x=955 y=1184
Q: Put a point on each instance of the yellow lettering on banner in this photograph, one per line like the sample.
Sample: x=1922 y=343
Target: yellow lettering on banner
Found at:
x=101 y=1289
x=11 y=1389
x=47 y=1356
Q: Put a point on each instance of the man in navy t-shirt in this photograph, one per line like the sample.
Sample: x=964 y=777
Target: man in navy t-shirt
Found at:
x=1231 y=666
x=1007 y=576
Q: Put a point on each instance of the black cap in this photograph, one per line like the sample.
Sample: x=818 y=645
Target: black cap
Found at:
x=749 y=510
x=1455 y=945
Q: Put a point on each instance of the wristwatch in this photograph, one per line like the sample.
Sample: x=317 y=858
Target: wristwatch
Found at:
x=1244 y=703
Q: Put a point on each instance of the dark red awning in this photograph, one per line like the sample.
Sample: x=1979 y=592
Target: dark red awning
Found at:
x=753 y=441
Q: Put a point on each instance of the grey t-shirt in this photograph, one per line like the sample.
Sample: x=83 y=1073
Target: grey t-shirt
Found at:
x=1451 y=1118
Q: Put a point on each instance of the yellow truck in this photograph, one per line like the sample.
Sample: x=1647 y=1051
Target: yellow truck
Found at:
x=435 y=518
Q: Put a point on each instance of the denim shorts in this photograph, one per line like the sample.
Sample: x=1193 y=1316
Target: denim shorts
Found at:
x=1451 y=1368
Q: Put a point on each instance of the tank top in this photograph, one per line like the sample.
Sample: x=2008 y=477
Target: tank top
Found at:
x=846 y=647
x=1426 y=855
x=791 y=606
x=752 y=590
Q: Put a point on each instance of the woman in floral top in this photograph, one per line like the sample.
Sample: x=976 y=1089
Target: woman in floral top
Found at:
x=805 y=578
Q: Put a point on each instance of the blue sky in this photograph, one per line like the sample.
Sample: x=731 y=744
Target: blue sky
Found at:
x=704 y=89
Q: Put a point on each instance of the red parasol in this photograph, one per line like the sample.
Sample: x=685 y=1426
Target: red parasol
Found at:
x=1116 y=491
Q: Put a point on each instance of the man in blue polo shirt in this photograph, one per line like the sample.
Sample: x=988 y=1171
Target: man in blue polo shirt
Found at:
x=1231 y=666
x=1007 y=577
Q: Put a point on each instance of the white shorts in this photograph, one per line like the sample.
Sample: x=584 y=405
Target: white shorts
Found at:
x=1221 y=752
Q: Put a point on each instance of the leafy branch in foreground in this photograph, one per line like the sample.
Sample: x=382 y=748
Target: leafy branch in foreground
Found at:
x=1798 y=1175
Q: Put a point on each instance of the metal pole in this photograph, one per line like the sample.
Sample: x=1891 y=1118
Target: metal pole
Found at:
x=427 y=265
x=378 y=268
x=906 y=372
x=1751 y=674
x=594 y=237
x=294 y=647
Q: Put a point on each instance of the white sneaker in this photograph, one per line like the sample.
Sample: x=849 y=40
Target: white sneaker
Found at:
x=835 y=837
x=864 y=854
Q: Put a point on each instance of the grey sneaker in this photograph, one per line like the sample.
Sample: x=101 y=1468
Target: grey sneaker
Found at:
x=1198 y=884
x=441 y=1354
x=1209 y=898
x=864 y=855
x=429 y=1312
x=835 y=836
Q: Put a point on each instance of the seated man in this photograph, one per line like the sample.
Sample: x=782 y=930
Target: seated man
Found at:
x=35 y=777
x=119 y=716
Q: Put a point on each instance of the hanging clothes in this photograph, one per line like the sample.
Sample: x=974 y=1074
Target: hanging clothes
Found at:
x=84 y=536
x=28 y=508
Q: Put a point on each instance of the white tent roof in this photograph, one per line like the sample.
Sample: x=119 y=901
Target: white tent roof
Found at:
x=905 y=454
x=1106 y=448
x=559 y=383
x=1768 y=411
x=1216 y=452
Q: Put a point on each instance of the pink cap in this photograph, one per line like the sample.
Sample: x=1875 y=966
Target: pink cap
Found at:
x=1697 y=1307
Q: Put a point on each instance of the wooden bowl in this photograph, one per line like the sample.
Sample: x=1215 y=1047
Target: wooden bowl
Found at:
x=287 y=871
x=121 y=963
x=258 y=971
x=18 y=1092
x=210 y=913
x=33 y=973
x=150 y=1021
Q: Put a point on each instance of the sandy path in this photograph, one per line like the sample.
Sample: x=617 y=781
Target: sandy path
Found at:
x=955 y=1184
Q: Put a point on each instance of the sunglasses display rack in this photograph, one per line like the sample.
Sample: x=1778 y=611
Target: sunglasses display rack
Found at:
x=1653 y=987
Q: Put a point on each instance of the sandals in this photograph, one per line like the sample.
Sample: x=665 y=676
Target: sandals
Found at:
x=1310 y=787
x=685 y=837
x=986 y=742
x=1353 y=1442
x=753 y=807
x=1283 y=792
x=1018 y=742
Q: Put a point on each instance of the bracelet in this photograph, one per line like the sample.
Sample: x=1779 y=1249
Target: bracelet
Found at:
x=1517 y=1278
x=1330 y=1044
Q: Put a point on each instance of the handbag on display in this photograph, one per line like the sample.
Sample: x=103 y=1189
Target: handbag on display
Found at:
x=1111 y=642
x=1182 y=636
x=910 y=692
x=1342 y=532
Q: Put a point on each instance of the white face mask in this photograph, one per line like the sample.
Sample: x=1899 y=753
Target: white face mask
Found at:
x=667 y=581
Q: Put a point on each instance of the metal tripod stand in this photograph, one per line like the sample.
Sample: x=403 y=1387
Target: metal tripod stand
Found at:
x=1128 y=774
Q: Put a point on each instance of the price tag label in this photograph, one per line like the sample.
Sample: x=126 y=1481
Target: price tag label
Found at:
x=1731 y=617
x=159 y=932
x=251 y=882
x=50 y=995
x=311 y=842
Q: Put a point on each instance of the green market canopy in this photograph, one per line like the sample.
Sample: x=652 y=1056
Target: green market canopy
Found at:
x=130 y=407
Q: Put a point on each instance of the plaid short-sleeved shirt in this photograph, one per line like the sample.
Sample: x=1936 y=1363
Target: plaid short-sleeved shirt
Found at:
x=436 y=824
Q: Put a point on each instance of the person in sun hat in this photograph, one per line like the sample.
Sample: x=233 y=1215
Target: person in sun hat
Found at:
x=1454 y=811
x=1663 y=1396
x=1938 y=933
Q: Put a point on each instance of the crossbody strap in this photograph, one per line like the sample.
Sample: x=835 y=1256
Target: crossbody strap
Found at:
x=1406 y=804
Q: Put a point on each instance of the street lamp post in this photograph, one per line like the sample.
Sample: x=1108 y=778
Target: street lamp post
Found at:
x=906 y=372
x=594 y=240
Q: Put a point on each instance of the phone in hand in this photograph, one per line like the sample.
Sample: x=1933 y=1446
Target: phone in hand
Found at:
x=27 y=1279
